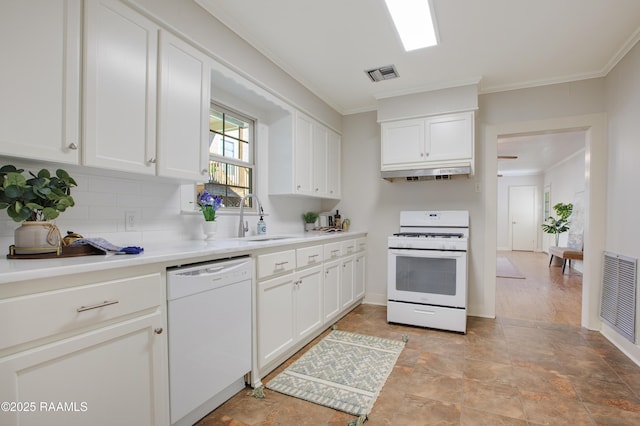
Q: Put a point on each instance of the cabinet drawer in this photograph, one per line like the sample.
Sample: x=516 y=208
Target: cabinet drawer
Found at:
x=51 y=313
x=349 y=247
x=276 y=263
x=361 y=244
x=332 y=251
x=309 y=256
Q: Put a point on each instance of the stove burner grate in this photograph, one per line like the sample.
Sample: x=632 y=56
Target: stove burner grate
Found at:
x=429 y=235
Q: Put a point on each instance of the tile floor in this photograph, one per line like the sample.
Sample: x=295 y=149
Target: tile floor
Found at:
x=502 y=372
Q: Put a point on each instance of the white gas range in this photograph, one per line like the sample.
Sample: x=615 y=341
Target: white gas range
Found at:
x=427 y=274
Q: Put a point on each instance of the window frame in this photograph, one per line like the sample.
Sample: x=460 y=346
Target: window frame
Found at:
x=230 y=161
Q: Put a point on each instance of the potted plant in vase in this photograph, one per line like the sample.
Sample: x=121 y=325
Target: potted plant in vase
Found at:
x=558 y=225
x=209 y=204
x=34 y=202
x=310 y=220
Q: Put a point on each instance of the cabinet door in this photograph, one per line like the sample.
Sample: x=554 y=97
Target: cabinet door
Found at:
x=402 y=143
x=359 y=277
x=331 y=285
x=450 y=137
x=346 y=282
x=40 y=79
x=275 y=318
x=114 y=375
x=319 y=160
x=308 y=301
x=333 y=165
x=183 y=110
x=120 y=88
x=303 y=147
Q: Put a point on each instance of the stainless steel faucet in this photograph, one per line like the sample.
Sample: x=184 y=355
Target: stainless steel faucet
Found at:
x=243 y=226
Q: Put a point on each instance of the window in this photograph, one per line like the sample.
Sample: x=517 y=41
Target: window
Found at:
x=231 y=156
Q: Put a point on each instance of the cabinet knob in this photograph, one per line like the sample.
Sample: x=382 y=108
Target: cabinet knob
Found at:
x=73 y=146
x=152 y=160
x=298 y=187
x=158 y=330
x=422 y=154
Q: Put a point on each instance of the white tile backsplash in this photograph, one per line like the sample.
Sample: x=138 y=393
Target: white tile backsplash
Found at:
x=101 y=202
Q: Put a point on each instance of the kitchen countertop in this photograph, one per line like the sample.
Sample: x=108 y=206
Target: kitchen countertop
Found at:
x=173 y=253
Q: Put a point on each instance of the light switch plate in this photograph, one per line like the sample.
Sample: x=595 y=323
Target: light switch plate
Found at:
x=131 y=220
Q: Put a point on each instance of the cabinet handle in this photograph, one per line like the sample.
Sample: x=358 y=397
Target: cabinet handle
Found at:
x=313 y=256
x=281 y=263
x=73 y=146
x=97 y=305
x=152 y=160
x=335 y=251
x=158 y=330
x=204 y=171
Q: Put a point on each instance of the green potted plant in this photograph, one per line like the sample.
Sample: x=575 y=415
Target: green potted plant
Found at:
x=310 y=220
x=35 y=201
x=560 y=224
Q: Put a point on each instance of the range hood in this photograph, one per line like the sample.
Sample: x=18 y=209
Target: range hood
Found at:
x=427 y=173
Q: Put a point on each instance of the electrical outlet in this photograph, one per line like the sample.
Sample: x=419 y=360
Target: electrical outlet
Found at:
x=477 y=186
x=131 y=220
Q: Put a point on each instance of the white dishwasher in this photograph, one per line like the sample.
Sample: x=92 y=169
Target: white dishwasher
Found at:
x=209 y=321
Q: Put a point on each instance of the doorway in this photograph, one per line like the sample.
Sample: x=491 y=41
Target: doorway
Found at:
x=522 y=217
x=595 y=195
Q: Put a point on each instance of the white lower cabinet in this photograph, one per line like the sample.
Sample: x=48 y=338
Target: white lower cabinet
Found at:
x=112 y=375
x=92 y=354
x=346 y=282
x=331 y=290
x=307 y=301
x=275 y=318
x=300 y=292
x=359 y=268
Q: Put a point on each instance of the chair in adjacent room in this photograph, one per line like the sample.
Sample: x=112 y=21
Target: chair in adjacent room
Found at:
x=573 y=251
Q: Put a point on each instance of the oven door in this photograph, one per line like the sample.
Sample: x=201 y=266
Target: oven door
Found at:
x=429 y=277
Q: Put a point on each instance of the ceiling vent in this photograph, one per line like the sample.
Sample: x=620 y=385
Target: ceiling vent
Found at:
x=383 y=73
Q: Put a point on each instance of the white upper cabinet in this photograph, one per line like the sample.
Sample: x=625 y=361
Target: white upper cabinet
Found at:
x=121 y=48
x=183 y=110
x=313 y=169
x=303 y=155
x=334 y=144
x=40 y=43
x=438 y=139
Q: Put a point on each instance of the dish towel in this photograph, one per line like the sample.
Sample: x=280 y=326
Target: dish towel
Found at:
x=106 y=246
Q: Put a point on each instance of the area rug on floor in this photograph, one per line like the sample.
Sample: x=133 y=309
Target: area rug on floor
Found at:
x=505 y=269
x=344 y=371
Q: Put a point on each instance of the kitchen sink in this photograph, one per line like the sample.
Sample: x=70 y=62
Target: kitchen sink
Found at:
x=261 y=239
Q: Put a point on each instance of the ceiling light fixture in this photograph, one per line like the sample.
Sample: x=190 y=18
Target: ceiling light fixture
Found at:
x=413 y=22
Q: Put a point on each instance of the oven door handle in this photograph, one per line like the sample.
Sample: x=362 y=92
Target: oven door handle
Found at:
x=428 y=253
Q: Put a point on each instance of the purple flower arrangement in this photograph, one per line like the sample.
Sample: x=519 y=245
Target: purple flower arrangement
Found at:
x=209 y=204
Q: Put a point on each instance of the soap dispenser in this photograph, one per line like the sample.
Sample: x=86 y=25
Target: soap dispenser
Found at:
x=262 y=225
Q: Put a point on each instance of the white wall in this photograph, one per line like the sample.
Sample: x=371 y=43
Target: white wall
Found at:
x=566 y=180
x=623 y=195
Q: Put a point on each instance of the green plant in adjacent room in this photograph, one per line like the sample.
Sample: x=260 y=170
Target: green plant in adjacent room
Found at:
x=560 y=224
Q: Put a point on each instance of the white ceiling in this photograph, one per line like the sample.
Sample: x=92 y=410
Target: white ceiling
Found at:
x=539 y=152
x=500 y=44
x=503 y=44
